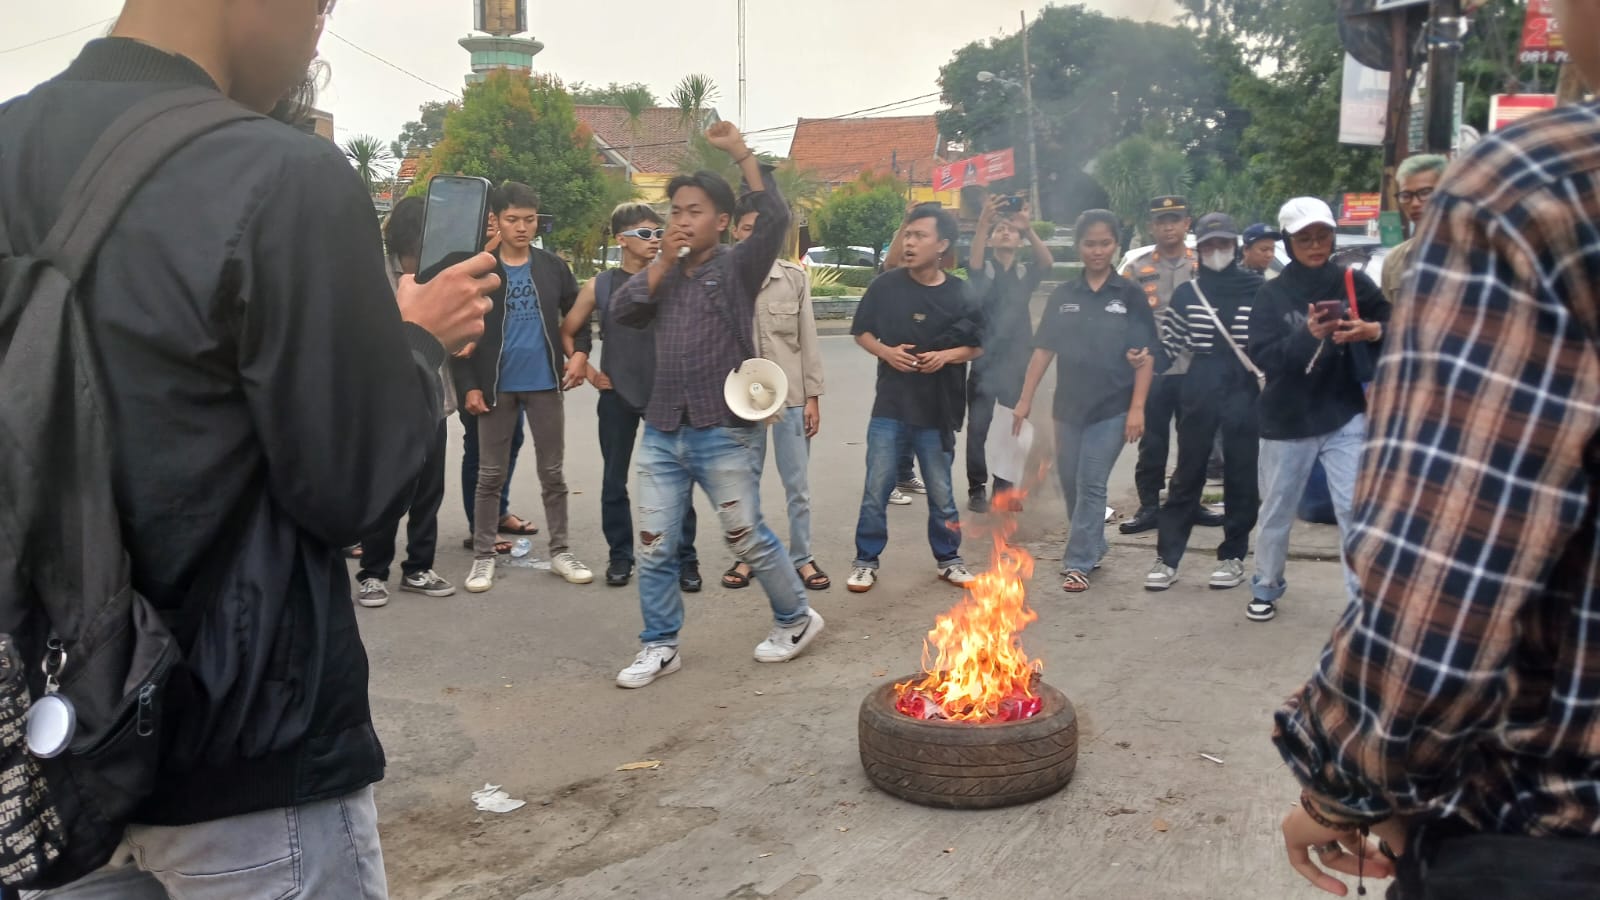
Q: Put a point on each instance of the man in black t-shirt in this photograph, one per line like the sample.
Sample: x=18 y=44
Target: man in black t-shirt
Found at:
x=918 y=321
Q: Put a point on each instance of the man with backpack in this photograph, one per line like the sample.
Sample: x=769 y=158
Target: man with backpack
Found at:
x=202 y=408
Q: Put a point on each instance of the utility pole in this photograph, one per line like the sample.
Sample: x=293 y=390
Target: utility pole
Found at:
x=742 y=121
x=1445 y=27
x=1396 y=147
x=1033 y=134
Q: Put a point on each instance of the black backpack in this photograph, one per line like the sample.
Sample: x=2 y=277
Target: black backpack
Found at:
x=71 y=625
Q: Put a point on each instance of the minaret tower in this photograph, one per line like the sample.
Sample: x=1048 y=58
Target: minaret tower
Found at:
x=499 y=46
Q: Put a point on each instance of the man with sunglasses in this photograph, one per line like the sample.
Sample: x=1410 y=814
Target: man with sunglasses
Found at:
x=627 y=366
x=273 y=399
x=1418 y=178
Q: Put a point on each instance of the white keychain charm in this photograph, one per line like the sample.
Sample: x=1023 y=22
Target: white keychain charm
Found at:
x=52 y=720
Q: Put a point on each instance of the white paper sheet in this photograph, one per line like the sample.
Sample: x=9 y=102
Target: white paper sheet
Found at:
x=1007 y=454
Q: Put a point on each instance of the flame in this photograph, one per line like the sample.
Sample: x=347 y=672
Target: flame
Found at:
x=972 y=660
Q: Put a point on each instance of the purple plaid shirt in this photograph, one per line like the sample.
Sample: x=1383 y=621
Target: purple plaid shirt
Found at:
x=696 y=314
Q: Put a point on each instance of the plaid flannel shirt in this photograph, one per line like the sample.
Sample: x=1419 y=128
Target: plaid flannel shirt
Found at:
x=1464 y=681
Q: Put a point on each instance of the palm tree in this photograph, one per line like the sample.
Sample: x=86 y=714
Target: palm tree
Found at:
x=1137 y=169
x=635 y=101
x=692 y=95
x=371 y=159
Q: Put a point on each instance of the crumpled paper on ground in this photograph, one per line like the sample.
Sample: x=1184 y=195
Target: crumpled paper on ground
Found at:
x=492 y=799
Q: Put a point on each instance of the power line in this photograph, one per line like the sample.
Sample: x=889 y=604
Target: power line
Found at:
x=402 y=70
x=57 y=37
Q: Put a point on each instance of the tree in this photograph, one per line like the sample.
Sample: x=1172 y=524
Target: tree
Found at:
x=370 y=158
x=515 y=128
x=635 y=101
x=420 y=136
x=1139 y=168
x=863 y=213
x=693 y=96
x=613 y=94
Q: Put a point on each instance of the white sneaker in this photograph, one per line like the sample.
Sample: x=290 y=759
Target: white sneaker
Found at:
x=898 y=499
x=1161 y=577
x=1229 y=574
x=957 y=574
x=373 y=594
x=914 y=486
x=788 y=641
x=481 y=578
x=567 y=566
x=650 y=664
x=861 y=579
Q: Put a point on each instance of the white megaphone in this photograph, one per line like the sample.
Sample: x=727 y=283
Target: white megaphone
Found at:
x=756 y=391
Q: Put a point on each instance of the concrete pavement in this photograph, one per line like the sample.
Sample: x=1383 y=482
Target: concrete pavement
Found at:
x=760 y=793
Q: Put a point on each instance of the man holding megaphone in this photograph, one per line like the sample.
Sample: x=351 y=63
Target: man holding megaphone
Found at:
x=710 y=391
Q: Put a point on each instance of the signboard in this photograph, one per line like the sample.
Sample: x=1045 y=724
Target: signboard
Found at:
x=1363 y=104
x=1505 y=109
x=1418 y=126
x=1390 y=229
x=1541 y=35
x=976 y=170
x=1360 y=208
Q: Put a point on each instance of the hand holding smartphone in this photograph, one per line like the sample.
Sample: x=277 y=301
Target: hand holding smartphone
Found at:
x=452 y=223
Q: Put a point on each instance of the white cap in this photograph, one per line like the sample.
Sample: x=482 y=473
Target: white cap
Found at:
x=1302 y=212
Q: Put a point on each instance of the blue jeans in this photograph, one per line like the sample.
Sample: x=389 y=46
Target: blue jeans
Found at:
x=889 y=442
x=469 y=465
x=619 y=433
x=1285 y=468
x=723 y=462
x=1085 y=456
x=793 y=451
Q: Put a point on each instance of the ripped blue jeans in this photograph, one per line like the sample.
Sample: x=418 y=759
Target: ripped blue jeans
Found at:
x=724 y=462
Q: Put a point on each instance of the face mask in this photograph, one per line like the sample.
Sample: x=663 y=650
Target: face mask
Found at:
x=1217 y=260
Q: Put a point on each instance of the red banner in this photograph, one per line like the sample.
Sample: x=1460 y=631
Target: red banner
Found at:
x=1505 y=109
x=1541 y=35
x=1360 y=208
x=977 y=170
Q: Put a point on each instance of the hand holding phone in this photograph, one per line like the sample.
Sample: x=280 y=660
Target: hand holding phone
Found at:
x=451 y=307
x=1322 y=319
x=452 y=223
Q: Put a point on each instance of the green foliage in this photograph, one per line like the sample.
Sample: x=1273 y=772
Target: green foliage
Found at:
x=831 y=290
x=514 y=128
x=425 y=133
x=1139 y=168
x=1045 y=230
x=693 y=96
x=1066 y=271
x=371 y=159
x=823 y=278
x=856 y=278
x=864 y=213
x=590 y=245
x=613 y=94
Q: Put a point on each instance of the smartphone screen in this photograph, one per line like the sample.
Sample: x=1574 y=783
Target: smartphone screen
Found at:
x=452 y=224
x=1330 y=309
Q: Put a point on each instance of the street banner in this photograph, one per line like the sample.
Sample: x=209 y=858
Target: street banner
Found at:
x=977 y=170
x=1541 y=35
x=1363 y=104
x=1358 y=209
x=1505 y=109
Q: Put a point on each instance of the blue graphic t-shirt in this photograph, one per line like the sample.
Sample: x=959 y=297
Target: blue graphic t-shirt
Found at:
x=525 y=357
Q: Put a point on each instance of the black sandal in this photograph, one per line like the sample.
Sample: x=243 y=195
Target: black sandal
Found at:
x=1075 y=582
x=817 y=581
x=734 y=580
x=524 y=527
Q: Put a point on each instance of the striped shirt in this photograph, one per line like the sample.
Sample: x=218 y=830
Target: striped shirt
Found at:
x=1190 y=329
x=1464 y=681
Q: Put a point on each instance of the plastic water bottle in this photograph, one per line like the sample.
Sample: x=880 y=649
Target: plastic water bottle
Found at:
x=521 y=548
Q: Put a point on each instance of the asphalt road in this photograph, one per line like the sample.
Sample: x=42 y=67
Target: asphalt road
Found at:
x=760 y=793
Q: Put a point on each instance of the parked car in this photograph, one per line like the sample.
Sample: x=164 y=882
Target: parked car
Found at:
x=851 y=258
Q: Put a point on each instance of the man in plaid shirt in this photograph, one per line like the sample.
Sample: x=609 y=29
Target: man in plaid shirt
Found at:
x=1456 y=710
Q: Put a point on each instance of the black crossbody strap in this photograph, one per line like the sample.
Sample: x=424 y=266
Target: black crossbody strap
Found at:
x=135 y=145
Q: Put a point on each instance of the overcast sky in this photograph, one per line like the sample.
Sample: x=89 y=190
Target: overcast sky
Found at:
x=814 y=59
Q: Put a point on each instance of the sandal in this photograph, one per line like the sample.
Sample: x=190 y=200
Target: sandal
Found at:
x=1076 y=582
x=734 y=580
x=500 y=547
x=512 y=523
x=818 y=580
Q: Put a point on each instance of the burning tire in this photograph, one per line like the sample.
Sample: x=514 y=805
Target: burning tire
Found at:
x=960 y=765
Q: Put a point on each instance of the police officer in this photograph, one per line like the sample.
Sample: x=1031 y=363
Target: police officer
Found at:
x=1159 y=272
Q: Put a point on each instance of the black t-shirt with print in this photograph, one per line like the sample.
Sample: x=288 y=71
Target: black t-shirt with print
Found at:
x=898 y=310
x=1091 y=333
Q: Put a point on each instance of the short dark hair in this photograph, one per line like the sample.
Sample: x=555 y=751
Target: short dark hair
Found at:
x=628 y=215
x=715 y=186
x=745 y=206
x=402 y=232
x=949 y=228
x=1093 y=217
x=515 y=193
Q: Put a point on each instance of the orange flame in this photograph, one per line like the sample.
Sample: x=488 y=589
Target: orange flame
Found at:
x=972 y=660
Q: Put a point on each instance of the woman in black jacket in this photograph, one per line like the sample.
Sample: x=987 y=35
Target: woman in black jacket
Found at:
x=1314 y=331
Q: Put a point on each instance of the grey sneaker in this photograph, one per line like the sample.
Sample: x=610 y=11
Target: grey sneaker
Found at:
x=898 y=499
x=1161 y=577
x=1228 y=574
x=428 y=583
x=914 y=486
x=373 y=594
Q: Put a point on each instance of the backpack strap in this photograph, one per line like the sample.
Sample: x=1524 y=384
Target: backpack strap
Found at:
x=124 y=157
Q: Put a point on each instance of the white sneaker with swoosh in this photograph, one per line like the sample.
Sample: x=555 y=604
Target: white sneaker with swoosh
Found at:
x=788 y=641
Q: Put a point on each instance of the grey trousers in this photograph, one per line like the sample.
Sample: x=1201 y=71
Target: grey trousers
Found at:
x=326 y=849
x=547 y=426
